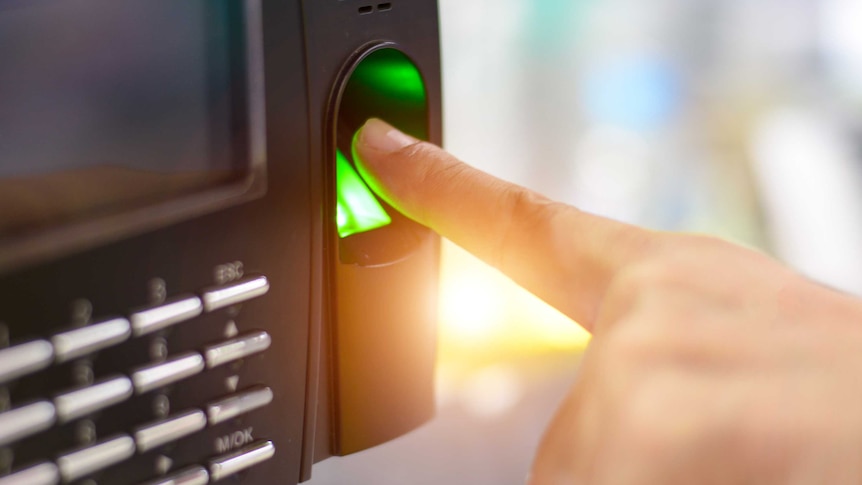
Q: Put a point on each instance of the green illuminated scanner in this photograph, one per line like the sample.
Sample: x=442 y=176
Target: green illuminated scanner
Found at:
x=382 y=83
x=357 y=209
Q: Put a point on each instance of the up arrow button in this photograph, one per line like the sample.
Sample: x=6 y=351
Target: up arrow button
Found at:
x=231 y=383
x=163 y=464
x=230 y=329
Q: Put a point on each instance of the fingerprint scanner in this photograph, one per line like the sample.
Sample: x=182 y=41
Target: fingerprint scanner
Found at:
x=357 y=209
x=382 y=83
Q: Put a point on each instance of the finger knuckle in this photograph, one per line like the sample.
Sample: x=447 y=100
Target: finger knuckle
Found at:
x=647 y=279
x=527 y=205
x=633 y=345
x=435 y=174
x=530 y=215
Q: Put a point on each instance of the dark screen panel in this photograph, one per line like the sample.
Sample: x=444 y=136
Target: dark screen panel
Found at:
x=109 y=104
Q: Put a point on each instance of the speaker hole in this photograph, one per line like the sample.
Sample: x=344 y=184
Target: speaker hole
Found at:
x=365 y=9
x=384 y=6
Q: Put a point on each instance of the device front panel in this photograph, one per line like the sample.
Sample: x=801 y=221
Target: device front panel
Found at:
x=177 y=347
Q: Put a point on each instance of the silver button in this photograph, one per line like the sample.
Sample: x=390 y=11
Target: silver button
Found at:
x=156 y=318
x=171 y=429
x=236 y=348
x=158 y=375
x=241 y=403
x=80 y=402
x=41 y=474
x=25 y=358
x=80 y=463
x=227 y=295
x=195 y=475
x=238 y=461
x=82 y=341
x=25 y=421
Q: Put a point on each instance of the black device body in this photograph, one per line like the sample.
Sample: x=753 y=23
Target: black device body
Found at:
x=278 y=351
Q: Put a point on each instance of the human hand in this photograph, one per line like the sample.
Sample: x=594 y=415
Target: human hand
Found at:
x=710 y=363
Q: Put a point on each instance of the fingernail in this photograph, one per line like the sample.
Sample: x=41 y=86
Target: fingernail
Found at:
x=383 y=137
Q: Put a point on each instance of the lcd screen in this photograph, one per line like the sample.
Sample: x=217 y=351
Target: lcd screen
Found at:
x=107 y=105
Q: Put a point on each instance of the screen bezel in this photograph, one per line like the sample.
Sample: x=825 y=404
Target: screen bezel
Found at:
x=17 y=250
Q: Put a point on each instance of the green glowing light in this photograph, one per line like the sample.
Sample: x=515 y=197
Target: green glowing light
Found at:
x=357 y=209
x=391 y=74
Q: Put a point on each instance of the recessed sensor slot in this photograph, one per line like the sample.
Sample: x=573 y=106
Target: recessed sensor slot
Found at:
x=384 y=84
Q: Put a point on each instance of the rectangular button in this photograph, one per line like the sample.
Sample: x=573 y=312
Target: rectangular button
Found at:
x=97 y=336
x=157 y=375
x=24 y=359
x=25 y=421
x=231 y=294
x=81 y=402
x=195 y=475
x=238 y=404
x=80 y=463
x=238 y=461
x=171 y=429
x=156 y=318
x=237 y=348
x=41 y=474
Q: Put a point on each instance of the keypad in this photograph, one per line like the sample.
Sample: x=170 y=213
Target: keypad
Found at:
x=237 y=461
x=171 y=429
x=90 y=338
x=176 y=369
x=190 y=476
x=25 y=421
x=238 y=292
x=41 y=474
x=78 y=407
x=153 y=319
x=80 y=463
x=81 y=402
x=236 y=348
x=238 y=404
x=25 y=358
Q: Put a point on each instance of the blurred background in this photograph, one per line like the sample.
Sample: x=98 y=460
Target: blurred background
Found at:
x=737 y=118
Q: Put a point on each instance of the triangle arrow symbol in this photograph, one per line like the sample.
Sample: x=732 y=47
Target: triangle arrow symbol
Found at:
x=230 y=330
x=232 y=382
x=163 y=464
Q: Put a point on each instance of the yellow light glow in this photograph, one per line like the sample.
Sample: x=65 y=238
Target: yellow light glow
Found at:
x=485 y=316
x=469 y=307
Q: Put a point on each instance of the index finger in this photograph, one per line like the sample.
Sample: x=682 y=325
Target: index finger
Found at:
x=562 y=255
